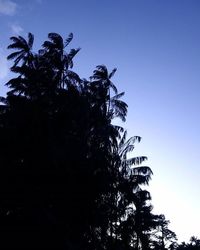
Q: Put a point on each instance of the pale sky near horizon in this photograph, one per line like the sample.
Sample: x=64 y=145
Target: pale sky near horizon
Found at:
x=155 y=44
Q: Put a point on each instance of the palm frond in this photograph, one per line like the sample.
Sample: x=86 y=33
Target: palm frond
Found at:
x=14 y=39
x=17 y=45
x=133 y=140
x=23 y=41
x=136 y=160
x=14 y=55
x=100 y=73
x=73 y=76
x=118 y=96
x=14 y=82
x=127 y=149
x=102 y=68
x=123 y=139
x=144 y=195
x=69 y=57
x=144 y=170
x=120 y=108
x=113 y=87
x=30 y=40
x=56 y=39
x=112 y=73
x=72 y=53
x=48 y=45
x=140 y=180
x=68 y=39
x=119 y=128
x=17 y=60
x=17 y=86
x=18 y=69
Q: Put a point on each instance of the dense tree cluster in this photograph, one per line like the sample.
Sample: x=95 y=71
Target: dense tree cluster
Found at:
x=66 y=178
x=194 y=244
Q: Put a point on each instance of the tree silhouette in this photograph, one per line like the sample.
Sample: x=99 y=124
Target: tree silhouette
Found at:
x=24 y=53
x=194 y=244
x=66 y=179
x=163 y=237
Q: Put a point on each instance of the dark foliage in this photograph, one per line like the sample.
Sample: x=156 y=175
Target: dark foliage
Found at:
x=66 y=181
x=194 y=244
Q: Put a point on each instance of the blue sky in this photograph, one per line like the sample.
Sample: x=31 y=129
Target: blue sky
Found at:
x=155 y=44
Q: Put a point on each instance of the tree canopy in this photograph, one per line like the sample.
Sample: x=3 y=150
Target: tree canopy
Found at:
x=67 y=178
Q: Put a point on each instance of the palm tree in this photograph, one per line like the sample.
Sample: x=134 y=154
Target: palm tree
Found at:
x=113 y=106
x=195 y=241
x=72 y=160
x=134 y=214
x=24 y=53
x=59 y=59
x=163 y=235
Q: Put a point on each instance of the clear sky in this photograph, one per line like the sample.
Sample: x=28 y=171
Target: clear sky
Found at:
x=155 y=44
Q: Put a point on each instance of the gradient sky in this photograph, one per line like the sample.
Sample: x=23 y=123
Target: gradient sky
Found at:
x=155 y=44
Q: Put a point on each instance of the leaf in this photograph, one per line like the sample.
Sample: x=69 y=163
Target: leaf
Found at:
x=118 y=96
x=14 y=82
x=68 y=39
x=143 y=195
x=102 y=68
x=56 y=39
x=14 y=39
x=48 y=45
x=17 y=45
x=73 y=76
x=73 y=52
x=114 y=88
x=132 y=140
x=123 y=139
x=144 y=170
x=71 y=55
x=112 y=73
x=119 y=128
x=136 y=160
x=125 y=150
x=30 y=40
x=120 y=108
x=23 y=41
x=100 y=73
x=14 y=55
x=140 y=180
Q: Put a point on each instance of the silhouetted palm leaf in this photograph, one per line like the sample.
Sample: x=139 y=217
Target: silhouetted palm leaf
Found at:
x=68 y=39
x=118 y=96
x=30 y=40
x=57 y=40
x=136 y=160
x=24 y=48
x=14 y=55
x=144 y=170
x=70 y=56
x=112 y=73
